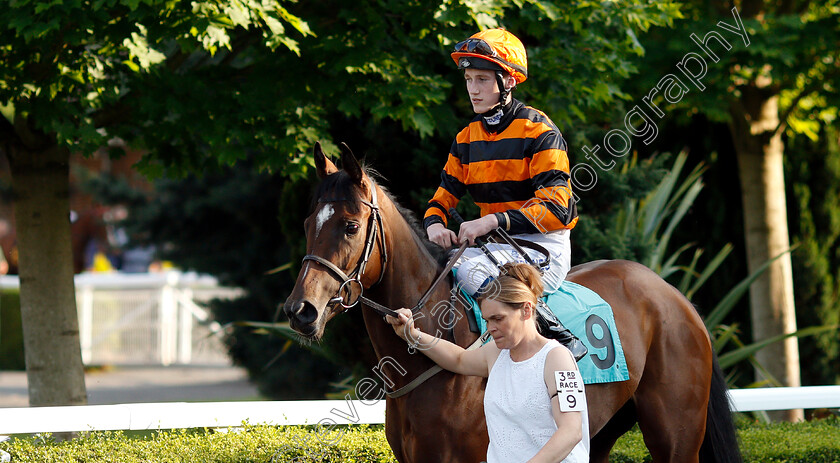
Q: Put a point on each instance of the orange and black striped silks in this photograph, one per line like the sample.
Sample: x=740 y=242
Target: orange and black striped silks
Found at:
x=520 y=173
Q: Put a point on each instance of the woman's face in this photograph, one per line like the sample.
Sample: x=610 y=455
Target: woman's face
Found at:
x=482 y=88
x=505 y=323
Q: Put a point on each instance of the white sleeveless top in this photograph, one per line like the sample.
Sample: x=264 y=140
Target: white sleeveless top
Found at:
x=518 y=410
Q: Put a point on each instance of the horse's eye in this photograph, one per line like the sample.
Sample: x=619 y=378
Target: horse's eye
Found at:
x=352 y=228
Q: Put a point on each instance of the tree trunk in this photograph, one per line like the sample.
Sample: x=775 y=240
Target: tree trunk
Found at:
x=760 y=154
x=40 y=184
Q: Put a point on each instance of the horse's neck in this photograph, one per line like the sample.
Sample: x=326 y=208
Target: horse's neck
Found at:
x=409 y=272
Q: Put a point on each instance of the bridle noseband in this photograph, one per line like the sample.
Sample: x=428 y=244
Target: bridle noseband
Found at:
x=374 y=228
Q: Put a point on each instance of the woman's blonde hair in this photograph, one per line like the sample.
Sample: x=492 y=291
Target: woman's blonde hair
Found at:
x=516 y=284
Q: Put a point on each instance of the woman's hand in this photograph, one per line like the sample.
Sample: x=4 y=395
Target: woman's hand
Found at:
x=441 y=235
x=404 y=325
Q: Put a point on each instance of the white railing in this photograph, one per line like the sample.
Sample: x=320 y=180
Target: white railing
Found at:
x=328 y=412
x=146 y=318
x=784 y=398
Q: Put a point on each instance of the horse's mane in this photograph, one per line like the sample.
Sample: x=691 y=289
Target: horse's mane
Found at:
x=341 y=186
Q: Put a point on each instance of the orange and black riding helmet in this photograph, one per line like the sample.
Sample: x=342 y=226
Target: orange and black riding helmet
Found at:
x=495 y=49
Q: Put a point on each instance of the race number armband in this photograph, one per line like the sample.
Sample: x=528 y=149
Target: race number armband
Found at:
x=569 y=390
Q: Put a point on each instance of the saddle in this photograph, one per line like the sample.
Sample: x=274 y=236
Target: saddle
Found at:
x=547 y=323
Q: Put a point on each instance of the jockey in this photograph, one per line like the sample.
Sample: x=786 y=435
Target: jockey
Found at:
x=512 y=160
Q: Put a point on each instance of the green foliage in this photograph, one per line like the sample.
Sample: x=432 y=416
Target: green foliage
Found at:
x=209 y=82
x=814 y=441
x=813 y=170
x=580 y=53
x=794 y=47
x=11 y=334
x=247 y=444
x=604 y=230
x=793 y=51
x=70 y=68
x=809 y=442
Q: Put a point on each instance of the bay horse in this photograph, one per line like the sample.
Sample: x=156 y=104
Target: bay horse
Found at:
x=358 y=239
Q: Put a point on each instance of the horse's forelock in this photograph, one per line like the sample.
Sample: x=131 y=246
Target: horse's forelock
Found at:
x=337 y=187
x=340 y=186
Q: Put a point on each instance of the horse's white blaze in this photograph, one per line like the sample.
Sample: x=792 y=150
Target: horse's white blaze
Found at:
x=305 y=269
x=323 y=215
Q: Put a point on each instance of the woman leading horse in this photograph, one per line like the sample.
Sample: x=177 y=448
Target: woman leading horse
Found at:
x=362 y=246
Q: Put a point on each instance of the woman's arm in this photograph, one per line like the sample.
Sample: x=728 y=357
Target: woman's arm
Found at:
x=568 y=432
x=450 y=356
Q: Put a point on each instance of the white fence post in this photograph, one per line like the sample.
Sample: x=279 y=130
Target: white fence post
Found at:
x=146 y=318
x=185 y=326
x=168 y=321
x=86 y=324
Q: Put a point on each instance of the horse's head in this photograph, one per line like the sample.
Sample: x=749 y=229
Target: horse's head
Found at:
x=344 y=239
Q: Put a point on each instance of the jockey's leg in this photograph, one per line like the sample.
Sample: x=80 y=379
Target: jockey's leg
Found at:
x=558 y=245
x=551 y=327
x=475 y=269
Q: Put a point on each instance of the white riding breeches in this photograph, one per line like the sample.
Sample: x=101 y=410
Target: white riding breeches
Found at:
x=475 y=269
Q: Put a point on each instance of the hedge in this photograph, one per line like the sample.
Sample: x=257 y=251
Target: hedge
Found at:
x=810 y=442
x=263 y=444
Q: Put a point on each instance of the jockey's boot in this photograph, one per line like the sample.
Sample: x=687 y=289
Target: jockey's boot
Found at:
x=550 y=327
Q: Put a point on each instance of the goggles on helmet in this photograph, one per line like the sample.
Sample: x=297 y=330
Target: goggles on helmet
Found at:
x=478 y=46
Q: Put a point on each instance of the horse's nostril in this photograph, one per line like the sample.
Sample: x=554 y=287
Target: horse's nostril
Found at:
x=302 y=313
x=287 y=308
x=306 y=313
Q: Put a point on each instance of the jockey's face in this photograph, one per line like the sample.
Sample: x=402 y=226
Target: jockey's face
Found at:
x=482 y=88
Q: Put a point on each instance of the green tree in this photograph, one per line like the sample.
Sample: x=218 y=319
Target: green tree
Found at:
x=74 y=75
x=814 y=167
x=762 y=68
x=203 y=83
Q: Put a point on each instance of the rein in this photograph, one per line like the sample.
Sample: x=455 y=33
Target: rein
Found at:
x=375 y=227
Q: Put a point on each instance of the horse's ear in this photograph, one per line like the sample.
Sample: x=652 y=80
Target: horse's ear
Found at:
x=323 y=166
x=350 y=164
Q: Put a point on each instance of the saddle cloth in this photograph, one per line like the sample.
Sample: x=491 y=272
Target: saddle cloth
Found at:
x=590 y=318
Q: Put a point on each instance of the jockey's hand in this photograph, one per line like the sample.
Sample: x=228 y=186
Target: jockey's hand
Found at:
x=404 y=325
x=441 y=236
x=474 y=228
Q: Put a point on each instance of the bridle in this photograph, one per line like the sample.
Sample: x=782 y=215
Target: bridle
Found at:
x=375 y=229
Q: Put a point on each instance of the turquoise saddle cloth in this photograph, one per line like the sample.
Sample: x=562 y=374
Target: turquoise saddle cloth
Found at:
x=591 y=319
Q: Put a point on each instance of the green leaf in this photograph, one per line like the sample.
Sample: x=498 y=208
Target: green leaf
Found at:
x=285 y=331
x=732 y=357
x=726 y=304
x=710 y=269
